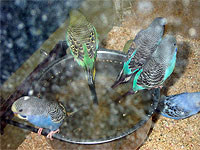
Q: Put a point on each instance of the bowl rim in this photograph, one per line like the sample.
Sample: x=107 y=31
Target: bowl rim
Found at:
x=156 y=92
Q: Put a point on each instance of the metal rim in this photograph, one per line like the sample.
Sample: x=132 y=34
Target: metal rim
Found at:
x=156 y=93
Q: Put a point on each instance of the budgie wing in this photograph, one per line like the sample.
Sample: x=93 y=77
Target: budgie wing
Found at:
x=56 y=111
x=144 y=48
x=172 y=109
x=75 y=45
x=80 y=38
x=132 y=47
x=152 y=75
x=139 y=36
x=131 y=50
x=137 y=61
x=92 y=42
x=145 y=45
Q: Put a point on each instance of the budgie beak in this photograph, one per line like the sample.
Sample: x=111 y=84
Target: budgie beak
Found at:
x=13 y=108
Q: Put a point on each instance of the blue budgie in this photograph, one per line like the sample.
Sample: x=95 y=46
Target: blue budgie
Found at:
x=40 y=112
x=180 y=106
x=140 y=49
x=83 y=42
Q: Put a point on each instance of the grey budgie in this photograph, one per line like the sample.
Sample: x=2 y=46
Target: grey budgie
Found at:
x=141 y=48
x=159 y=67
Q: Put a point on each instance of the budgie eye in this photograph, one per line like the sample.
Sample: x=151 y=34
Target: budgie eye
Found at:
x=20 y=110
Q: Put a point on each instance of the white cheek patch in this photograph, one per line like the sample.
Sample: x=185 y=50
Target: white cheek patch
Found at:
x=26 y=98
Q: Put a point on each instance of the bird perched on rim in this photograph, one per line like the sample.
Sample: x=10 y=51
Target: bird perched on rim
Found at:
x=83 y=42
x=180 y=106
x=140 y=49
x=40 y=112
x=157 y=68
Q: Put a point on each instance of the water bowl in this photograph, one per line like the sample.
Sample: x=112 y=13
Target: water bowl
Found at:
x=86 y=123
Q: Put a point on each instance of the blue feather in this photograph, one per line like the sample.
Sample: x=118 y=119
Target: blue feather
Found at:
x=180 y=106
x=43 y=122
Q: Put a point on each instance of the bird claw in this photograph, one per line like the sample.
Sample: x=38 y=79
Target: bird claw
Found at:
x=40 y=131
x=157 y=87
x=51 y=134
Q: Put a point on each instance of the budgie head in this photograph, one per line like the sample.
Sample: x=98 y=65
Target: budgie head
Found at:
x=77 y=19
x=159 y=21
x=27 y=106
x=166 y=51
x=158 y=24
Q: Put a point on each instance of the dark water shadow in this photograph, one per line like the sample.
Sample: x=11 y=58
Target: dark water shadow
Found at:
x=182 y=60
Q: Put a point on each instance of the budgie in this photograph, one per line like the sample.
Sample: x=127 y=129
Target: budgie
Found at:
x=180 y=106
x=40 y=112
x=158 y=68
x=140 y=49
x=83 y=42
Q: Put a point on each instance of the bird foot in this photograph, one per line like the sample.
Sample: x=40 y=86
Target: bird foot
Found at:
x=52 y=133
x=160 y=87
x=157 y=87
x=40 y=131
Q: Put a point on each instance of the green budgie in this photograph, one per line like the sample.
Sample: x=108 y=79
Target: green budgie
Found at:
x=140 y=49
x=40 y=112
x=83 y=42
